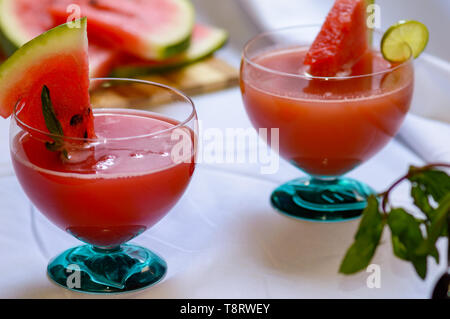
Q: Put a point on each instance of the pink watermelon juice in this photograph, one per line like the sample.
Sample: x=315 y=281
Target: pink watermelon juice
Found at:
x=111 y=191
x=327 y=125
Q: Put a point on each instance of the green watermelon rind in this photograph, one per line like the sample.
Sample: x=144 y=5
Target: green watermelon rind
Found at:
x=168 y=43
x=12 y=35
x=6 y=46
x=63 y=37
x=211 y=44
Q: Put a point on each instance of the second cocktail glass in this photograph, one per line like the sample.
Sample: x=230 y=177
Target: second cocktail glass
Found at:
x=107 y=190
x=327 y=125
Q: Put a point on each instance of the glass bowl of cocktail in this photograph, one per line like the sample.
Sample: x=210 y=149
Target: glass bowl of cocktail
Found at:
x=328 y=125
x=108 y=189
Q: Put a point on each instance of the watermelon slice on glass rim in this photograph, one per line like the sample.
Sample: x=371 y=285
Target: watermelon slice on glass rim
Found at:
x=58 y=60
x=342 y=40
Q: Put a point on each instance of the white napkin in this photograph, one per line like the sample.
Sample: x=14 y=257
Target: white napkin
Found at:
x=427 y=128
x=428 y=138
x=432 y=88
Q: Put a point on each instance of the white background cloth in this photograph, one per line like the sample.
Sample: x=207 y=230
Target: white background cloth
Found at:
x=223 y=239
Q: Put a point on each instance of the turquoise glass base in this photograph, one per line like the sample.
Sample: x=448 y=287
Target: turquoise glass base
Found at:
x=322 y=200
x=95 y=270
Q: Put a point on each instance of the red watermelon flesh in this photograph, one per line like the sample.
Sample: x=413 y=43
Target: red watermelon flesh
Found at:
x=132 y=25
x=341 y=41
x=57 y=59
x=35 y=16
x=65 y=76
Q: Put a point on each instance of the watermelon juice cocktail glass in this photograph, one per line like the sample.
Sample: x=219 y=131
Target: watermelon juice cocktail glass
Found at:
x=107 y=190
x=327 y=125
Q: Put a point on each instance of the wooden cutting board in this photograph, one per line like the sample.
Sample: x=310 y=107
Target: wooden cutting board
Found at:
x=206 y=76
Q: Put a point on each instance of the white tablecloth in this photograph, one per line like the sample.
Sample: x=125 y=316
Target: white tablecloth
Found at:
x=223 y=239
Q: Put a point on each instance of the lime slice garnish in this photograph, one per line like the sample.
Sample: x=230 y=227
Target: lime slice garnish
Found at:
x=403 y=39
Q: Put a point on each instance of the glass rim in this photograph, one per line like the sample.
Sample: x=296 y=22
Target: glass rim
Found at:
x=263 y=34
x=187 y=99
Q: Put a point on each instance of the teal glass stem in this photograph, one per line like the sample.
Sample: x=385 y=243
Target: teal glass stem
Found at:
x=96 y=270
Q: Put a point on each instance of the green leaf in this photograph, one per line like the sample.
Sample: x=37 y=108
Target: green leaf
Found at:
x=433 y=182
x=421 y=200
x=51 y=121
x=406 y=231
x=420 y=265
x=437 y=227
x=399 y=248
x=407 y=237
x=435 y=254
x=367 y=239
x=413 y=239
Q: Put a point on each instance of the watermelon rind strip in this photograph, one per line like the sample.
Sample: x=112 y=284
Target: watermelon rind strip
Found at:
x=6 y=46
x=12 y=35
x=169 y=43
x=216 y=41
x=172 y=50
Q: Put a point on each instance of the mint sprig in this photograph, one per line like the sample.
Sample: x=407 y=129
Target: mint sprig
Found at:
x=413 y=239
x=52 y=123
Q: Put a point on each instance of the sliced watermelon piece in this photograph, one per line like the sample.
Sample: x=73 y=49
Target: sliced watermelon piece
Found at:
x=22 y=20
x=149 y=29
x=342 y=40
x=205 y=41
x=58 y=59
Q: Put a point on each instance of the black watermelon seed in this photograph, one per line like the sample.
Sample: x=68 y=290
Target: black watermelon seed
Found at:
x=76 y=119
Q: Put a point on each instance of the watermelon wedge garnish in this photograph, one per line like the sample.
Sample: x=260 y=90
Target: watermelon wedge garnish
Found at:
x=205 y=41
x=23 y=20
x=58 y=60
x=149 y=29
x=342 y=40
